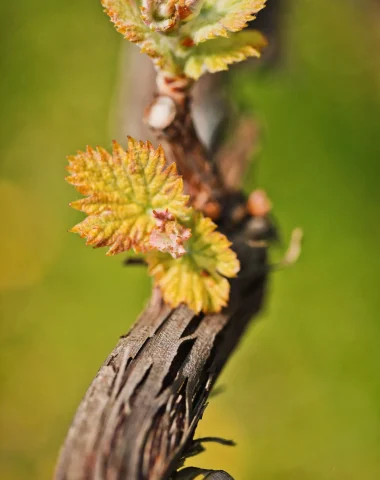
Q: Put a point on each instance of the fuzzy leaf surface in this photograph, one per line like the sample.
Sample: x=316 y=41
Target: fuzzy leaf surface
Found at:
x=128 y=20
x=126 y=16
x=169 y=235
x=216 y=55
x=122 y=191
x=198 y=277
x=219 y=18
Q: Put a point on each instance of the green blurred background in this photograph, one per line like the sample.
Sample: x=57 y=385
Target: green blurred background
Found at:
x=302 y=395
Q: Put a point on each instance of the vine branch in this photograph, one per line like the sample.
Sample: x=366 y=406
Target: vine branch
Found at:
x=138 y=418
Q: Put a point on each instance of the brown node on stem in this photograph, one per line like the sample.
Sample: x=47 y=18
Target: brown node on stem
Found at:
x=212 y=210
x=174 y=86
x=258 y=204
x=187 y=42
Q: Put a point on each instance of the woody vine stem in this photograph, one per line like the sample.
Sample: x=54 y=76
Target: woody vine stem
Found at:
x=138 y=417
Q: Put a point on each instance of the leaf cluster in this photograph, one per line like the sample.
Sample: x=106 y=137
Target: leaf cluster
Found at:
x=189 y=37
x=135 y=201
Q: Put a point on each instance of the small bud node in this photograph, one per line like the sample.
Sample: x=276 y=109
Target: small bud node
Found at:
x=161 y=113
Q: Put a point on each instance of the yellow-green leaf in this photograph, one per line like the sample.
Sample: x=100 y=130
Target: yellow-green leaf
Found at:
x=218 y=18
x=216 y=55
x=122 y=192
x=127 y=18
x=197 y=278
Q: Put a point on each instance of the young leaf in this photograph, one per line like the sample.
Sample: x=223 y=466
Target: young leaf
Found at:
x=122 y=192
x=170 y=31
x=126 y=16
x=160 y=16
x=218 y=18
x=167 y=15
x=168 y=235
x=197 y=278
x=128 y=20
x=218 y=54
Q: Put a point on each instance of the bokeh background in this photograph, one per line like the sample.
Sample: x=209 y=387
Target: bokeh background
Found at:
x=302 y=394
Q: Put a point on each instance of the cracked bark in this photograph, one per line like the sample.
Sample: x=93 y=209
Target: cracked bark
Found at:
x=141 y=411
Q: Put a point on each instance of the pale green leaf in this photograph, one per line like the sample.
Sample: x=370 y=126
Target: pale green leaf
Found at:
x=128 y=20
x=126 y=16
x=216 y=55
x=219 y=18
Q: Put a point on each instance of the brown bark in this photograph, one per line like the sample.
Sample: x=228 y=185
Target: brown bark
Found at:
x=140 y=413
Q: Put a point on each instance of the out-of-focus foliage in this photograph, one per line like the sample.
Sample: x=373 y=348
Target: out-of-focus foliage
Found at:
x=302 y=395
x=173 y=32
x=218 y=54
x=220 y=18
